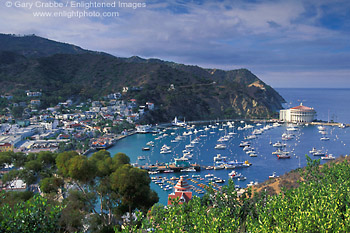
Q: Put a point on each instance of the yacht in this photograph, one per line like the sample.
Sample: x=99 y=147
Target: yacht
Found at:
x=328 y=157
x=324 y=138
x=244 y=144
x=220 y=146
x=190 y=169
x=283 y=155
x=279 y=144
x=273 y=175
x=314 y=150
x=218 y=157
x=319 y=153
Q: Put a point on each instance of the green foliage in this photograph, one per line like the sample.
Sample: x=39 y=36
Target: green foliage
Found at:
x=51 y=184
x=5 y=158
x=320 y=204
x=17 y=112
x=34 y=215
x=14 y=197
x=133 y=186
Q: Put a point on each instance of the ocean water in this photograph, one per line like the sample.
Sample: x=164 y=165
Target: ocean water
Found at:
x=306 y=137
x=329 y=103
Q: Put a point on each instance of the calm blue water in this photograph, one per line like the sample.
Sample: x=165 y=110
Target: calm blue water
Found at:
x=306 y=137
x=330 y=104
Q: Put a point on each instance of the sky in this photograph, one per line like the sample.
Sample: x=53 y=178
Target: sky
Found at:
x=286 y=43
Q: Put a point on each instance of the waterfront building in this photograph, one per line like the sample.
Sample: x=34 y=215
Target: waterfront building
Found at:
x=181 y=192
x=299 y=113
x=6 y=147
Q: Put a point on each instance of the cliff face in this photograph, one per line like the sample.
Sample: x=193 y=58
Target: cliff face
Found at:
x=176 y=89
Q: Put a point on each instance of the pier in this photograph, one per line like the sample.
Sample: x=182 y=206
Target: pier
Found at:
x=164 y=167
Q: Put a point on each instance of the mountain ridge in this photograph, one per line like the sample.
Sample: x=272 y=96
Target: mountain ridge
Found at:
x=64 y=71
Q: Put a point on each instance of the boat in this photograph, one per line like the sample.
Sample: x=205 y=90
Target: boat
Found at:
x=190 y=169
x=165 y=151
x=279 y=151
x=220 y=146
x=145 y=148
x=287 y=137
x=229 y=166
x=283 y=155
x=273 y=175
x=314 y=150
x=253 y=155
x=319 y=153
x=141 y=157
x=321 y=128
x=169 y=171
x=328 y=157
x=209 y=175
x=250 y=137
x=246 y=148
x=324 y=138
x=150 y=143
x=219 y=181
x=218 y=157
x=209 y=168
x=239 y=164
x=279 y=144
x=244 y=144
x=220 y=167
x=242 y=178
x=179 y=123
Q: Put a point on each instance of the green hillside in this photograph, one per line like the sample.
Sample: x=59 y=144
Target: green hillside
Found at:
x=65 y=71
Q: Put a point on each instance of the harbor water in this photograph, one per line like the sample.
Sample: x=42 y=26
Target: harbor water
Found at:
x=265 y=163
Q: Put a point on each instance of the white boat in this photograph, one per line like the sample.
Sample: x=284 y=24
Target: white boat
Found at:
x=220 y=167
x=273 y=175
x=314 y=150
x=319 y=153
x=150 y=143
x=165 y=151
x=246 y=148
x=283 y=155
x=324 y=138
x=279 y=151
x=292 y=129
x=287 y=136
x=321 y=128
x=229 y=166
x=169 y=171
x=141 y=157
x=244 y=144
x=253 y=155
x=250 y=137
x=218 y=157
x=190 y=169
x=220 y=146
x=279 y=144
x=328 y=157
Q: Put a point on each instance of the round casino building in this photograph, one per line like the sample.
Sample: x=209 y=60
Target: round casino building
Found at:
x=299 y=113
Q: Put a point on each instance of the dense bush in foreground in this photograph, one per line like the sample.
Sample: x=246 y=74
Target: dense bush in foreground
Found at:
x=320 y=204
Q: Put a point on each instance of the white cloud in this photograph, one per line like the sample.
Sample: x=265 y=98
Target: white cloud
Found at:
x=274 y=35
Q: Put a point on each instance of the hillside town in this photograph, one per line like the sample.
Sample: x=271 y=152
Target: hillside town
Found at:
x=82 y=126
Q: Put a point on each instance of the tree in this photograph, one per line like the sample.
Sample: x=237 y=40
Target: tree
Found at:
x=133 y=186
x=51 y=184
x=34 y=215
x=5 y=159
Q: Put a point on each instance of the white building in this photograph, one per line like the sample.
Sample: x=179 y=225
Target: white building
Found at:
x=298 y=114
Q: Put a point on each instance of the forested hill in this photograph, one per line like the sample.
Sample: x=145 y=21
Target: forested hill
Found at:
x=64 y=71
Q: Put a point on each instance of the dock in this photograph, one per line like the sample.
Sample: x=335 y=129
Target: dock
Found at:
x=164 y=167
